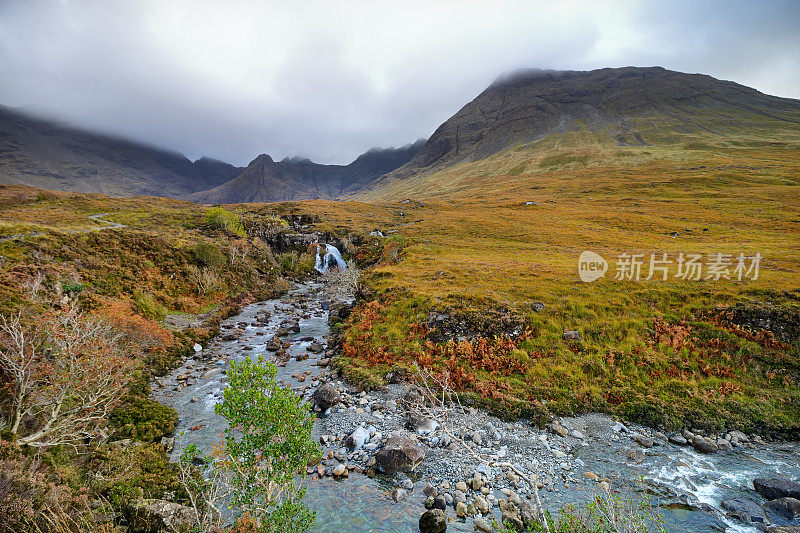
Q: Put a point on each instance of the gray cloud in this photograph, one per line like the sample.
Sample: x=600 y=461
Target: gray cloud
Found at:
x=329 y=80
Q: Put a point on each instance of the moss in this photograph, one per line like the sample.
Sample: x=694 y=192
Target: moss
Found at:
x=142 y=419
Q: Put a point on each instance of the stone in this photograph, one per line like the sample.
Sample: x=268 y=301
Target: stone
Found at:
x=571 y=335
x=197 y=348
x=461 y=509
x=281 y=332
x=788 y=508
x=704 y=445
x=636 y=456
x=407 y=484
x=559 y=430
x=326 y=397
x=357 y=439
x=433 y=521
x=477 y=481
x=429 y=490
x=315 y=347
x=168 y=443
x=744 y=510
x=421 y=424
x=481 y=525
x=724 y=445
x=400 y=454
x=462 y=486
x=783 y=529
x=459 y=496
x=591 y=476
x=399 y=495
x=440 y=502
x=481 y=505
x=152 y=516
x=644 y=441
x=680 y=440
x=738 y=436
x=775 y=488
x=340 y=470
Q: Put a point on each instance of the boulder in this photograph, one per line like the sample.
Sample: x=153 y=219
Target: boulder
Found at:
x=421 y=424
x=644 y=441
x=400 y=454
x=326 y=397
x=744 y=510
x=775 y=488
x=704 y=445
x=788 y=508
x=433 y=521
x=357 y=439
x=481 y=525
x=680 y=440
x=155 y=516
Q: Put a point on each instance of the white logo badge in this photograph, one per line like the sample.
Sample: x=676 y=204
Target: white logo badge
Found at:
x=591 y=266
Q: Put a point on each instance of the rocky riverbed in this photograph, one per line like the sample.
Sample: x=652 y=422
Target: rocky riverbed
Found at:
x=385 y=462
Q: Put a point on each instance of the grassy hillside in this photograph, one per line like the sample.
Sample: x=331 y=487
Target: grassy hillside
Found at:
x=487 y=241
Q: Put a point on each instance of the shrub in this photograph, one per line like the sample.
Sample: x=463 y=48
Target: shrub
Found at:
x=149 y=307
x=268 y=444
x=222 y=219
x=143 y=419
x=207 y=255
x=72 y=288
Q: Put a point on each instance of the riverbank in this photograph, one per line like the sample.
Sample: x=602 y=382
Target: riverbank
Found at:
x=573 y=460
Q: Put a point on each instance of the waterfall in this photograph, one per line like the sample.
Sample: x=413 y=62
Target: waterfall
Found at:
x=330 y=259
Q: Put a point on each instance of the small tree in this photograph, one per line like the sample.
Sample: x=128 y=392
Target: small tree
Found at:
x=267 y=447
x=67 y=377
x=20 y=350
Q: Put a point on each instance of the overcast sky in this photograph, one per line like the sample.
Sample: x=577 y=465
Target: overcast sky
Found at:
x=327 y=80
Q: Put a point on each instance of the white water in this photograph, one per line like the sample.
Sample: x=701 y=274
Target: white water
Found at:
x=332 y=258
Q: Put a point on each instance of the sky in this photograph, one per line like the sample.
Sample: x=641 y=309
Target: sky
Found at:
x=330 y=79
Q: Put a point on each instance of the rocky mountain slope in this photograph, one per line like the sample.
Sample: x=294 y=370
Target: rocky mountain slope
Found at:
x=619 y=107
x=265 y=180
x=47 y=154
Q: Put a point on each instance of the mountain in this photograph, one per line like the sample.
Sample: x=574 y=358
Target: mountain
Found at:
x=265 y=180
x=51 y=155
x=628 y=106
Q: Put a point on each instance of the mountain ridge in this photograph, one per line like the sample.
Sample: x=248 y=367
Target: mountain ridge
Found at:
x=526 y=106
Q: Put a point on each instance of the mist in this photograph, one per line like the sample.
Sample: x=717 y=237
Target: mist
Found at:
x=328 y=81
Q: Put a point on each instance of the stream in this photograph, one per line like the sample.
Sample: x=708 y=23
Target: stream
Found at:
x=688 y=486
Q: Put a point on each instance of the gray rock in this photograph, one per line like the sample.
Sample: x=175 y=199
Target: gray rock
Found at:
x=744 y=510
x=326 y=397
x=421 y=424
x=788 y=508
x=399 y=494
x=400 y=454
x=433 y=521
x=572 y=335
x=775 y=488
x=481 y=525
x=724 y=445
x=704 y=445
x=357 y=439
x=154 y=516
x=636 y=456
x=644 y=441
x=680 y=440
x=440 y=502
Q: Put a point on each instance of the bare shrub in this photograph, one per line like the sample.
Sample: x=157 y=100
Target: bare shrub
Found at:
x=67 y=376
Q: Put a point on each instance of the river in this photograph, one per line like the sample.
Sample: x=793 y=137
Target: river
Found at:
x=689 y=487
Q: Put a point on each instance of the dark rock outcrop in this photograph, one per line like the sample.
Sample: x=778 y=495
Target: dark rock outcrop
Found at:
x=774 y=488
